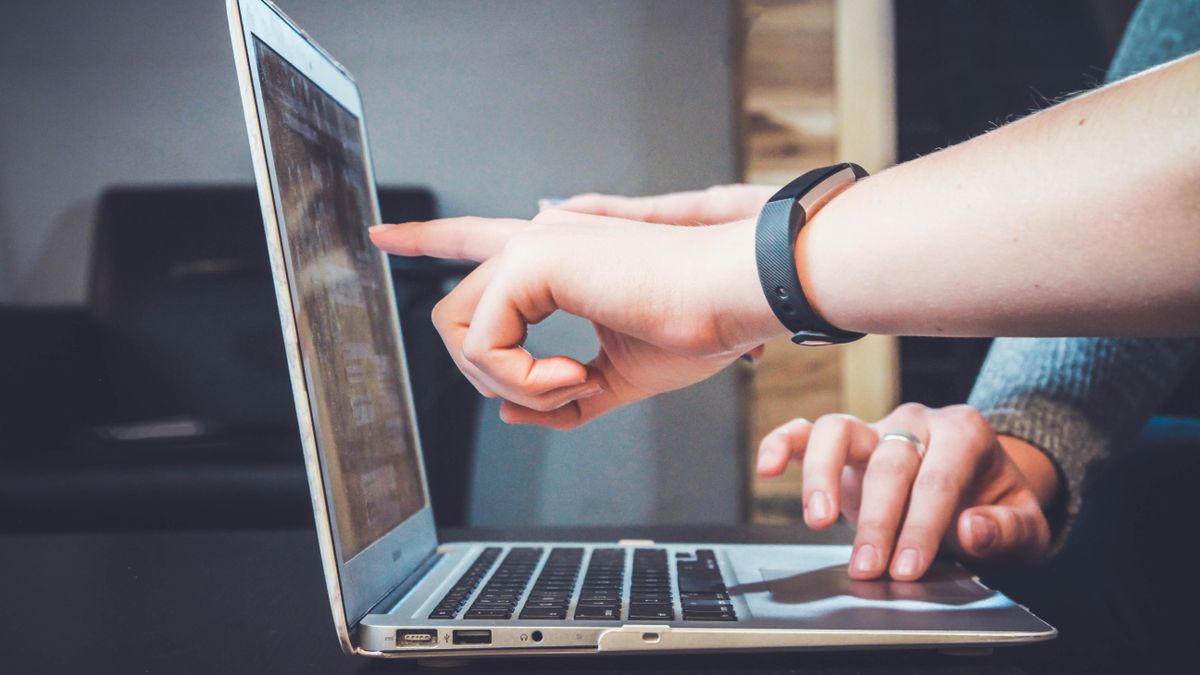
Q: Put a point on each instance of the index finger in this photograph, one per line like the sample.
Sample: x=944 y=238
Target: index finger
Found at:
x=466 y=238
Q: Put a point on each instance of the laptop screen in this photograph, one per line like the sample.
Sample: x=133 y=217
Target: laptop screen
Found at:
x=348 y=345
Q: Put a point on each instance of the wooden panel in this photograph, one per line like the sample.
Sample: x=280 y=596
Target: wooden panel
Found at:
x=794 y=117
x=865 y=79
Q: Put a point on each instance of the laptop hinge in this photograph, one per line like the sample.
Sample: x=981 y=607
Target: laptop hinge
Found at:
x=393 y=597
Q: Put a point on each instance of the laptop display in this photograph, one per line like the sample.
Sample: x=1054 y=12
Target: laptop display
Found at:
x=338 y=280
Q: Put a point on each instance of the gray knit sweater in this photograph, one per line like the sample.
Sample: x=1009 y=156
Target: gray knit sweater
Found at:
x=1083 y=399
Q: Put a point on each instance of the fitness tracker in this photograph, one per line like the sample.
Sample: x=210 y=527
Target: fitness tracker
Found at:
x=774 y=247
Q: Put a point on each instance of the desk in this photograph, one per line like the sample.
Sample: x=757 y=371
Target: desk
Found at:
x=199 y=602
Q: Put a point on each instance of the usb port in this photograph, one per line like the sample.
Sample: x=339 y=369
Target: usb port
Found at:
x=416 y=637
x=472 y=637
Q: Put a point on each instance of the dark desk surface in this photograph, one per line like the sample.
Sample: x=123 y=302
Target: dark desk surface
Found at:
x=254 y=602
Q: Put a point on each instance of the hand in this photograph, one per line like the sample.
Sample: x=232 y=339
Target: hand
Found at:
x=980 y=496
x=671 y=306
x=717 y=204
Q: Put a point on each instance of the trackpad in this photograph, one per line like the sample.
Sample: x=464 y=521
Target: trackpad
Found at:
x=940 y=586
x=815 y=590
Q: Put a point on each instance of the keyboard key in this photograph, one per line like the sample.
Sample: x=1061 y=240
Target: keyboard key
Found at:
x=639 y=610
x=544 y=613
x=597 y=613
x=707 y=616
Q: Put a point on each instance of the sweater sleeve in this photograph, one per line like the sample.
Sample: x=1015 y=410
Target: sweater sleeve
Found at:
x=1078 y=399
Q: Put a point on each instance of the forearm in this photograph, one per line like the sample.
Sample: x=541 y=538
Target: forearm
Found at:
x=1083 y=219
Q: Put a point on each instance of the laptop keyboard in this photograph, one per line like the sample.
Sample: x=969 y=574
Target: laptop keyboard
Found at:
x=503 y=591
x=551 y=593
x=600 y=596
x=450 y=605
x=649 y=596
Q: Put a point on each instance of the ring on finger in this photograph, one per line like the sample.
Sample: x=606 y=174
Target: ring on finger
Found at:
x=904 y=437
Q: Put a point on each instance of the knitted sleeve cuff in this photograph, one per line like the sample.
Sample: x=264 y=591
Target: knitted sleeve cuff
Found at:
x=1070 y=441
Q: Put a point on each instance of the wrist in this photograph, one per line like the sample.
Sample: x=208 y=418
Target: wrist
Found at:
x=744 y=318
x=822 y=261
x=1035 y=465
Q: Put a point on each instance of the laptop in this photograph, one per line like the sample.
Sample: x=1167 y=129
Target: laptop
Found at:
x=394 y=589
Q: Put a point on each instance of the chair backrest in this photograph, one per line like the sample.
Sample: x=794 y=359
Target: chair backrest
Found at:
x=182 y=292
x=181 y=288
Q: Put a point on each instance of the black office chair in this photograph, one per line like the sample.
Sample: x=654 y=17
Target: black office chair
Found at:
x=182 y=332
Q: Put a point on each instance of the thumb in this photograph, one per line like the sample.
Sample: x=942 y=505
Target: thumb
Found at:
x=1006 y=531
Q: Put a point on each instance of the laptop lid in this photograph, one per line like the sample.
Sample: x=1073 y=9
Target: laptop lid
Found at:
x=334 y=290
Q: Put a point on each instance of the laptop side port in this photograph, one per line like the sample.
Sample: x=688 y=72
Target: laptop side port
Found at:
x=416 y=637
x=472 y=637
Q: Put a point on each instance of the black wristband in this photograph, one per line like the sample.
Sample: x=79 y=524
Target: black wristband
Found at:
x=775 y=243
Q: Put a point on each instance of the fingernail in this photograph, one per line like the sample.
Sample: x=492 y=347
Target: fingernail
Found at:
x=866 y=559
x=818 y=506
x=381 y=227
x=907 y=561
x=983 y=531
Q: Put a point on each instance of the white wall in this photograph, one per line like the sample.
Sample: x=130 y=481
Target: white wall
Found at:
x=491 y=104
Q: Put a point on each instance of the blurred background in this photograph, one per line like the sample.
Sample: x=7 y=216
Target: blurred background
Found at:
x=142 y=384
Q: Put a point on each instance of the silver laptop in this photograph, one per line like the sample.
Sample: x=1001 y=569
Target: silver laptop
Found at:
x=394 y=590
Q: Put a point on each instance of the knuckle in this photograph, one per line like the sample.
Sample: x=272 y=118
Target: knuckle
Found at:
x=546 y=219
x=911 y=408
x=438 y=313
x=968 y=427
x=527 y=249
x=964 y=418
x=872 y=529
x=838 y=423
x=473 y=351
x=938 y=482
x=920 y=536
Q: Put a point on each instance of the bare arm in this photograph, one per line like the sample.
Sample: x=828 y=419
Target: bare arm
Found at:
x=1083 y=219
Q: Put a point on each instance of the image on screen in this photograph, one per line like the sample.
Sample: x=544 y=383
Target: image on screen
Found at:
x=348 y=347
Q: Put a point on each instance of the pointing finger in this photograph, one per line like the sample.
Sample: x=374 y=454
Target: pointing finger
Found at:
x=467 y=238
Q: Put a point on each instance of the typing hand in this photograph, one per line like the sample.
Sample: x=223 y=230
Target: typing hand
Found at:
x=671 y=306
x=717 y=204
x=979 y=495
